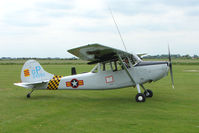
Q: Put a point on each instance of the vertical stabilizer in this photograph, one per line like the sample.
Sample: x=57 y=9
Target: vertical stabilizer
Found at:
x=32 y=72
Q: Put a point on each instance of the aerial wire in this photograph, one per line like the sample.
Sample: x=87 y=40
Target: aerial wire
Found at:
x=117 y=27
x=118 y=30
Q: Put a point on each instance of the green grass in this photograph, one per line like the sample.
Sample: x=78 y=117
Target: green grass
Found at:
x=112 y=111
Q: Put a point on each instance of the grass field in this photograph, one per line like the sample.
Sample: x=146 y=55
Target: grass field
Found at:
x=113 y=111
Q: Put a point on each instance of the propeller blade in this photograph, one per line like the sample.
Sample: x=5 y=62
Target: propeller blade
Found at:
x=171 y=73
x=169 y=54
x=170 y=68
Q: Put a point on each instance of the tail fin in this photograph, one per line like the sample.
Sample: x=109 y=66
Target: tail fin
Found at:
x=32 y=71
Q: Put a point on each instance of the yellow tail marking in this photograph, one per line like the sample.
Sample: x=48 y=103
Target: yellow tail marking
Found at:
x=26 y=73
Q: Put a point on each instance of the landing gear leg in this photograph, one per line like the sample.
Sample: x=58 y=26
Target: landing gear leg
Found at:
x=147 y=92
x=139 y=97
x=28 y=95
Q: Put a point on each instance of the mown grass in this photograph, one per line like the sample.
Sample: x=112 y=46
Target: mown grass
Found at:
x=113 y=111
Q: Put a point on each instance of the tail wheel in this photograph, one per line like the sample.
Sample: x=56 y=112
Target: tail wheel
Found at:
x=140 y=97
x=148 y=93
x=28 y=96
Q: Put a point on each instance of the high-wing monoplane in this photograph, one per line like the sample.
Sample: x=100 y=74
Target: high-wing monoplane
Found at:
x=114 y=69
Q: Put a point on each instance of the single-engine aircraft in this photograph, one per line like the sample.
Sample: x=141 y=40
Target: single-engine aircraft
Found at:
x=114 y=69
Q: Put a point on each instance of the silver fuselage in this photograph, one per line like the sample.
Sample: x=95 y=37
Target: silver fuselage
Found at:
x=103 y=80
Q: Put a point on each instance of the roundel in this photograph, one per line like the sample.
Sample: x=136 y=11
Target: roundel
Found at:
x=74 y=83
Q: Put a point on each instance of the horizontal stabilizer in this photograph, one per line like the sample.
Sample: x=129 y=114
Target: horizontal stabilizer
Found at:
x=31 y=85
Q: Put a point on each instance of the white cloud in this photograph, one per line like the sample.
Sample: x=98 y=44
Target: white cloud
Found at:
x=46 y=28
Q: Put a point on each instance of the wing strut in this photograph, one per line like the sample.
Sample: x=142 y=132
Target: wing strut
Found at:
x=125 y=68
x=139 y=97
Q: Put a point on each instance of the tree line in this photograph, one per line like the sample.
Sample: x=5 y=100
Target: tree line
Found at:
x=175 y=56
x=163 y=56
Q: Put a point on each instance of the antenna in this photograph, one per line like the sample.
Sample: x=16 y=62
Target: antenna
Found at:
x=117 y=28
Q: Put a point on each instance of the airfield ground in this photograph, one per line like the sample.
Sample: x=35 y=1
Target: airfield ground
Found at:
x=113 y=111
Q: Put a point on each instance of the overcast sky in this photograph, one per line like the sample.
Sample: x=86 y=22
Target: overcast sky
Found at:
x=48 y=28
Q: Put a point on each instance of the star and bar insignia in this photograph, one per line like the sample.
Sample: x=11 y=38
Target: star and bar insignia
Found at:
x=74 y=83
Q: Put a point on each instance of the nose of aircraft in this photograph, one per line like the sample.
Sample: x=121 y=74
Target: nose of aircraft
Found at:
x=165 y=68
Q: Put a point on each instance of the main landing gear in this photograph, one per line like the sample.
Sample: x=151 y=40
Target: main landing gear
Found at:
x=140 y=97
x=28 y=95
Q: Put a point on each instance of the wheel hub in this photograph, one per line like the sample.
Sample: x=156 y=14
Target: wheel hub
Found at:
x=140 y=98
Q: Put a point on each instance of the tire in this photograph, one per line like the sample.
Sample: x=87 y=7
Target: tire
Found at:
x=140 y=97
x=148 y=93
x=28 y=96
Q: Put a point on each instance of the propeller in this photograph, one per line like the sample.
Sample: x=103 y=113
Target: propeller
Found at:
x=170 y=66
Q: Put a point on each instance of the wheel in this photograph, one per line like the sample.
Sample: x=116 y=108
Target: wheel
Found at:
x=28 y=95
x=148 y=93
x=140 y=97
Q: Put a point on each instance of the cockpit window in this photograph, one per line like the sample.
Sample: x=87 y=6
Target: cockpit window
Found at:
x=114 y=65
x=106 y=66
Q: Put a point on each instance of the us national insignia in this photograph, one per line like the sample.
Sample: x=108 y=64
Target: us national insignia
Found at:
x=74 y=83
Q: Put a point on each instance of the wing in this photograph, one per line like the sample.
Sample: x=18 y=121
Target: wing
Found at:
x=96 y=53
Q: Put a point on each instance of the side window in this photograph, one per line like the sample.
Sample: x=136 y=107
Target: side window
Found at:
x=126 y=62
x=116 y=66
x=106 y=66
x=95 y=70
x=133 y=61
